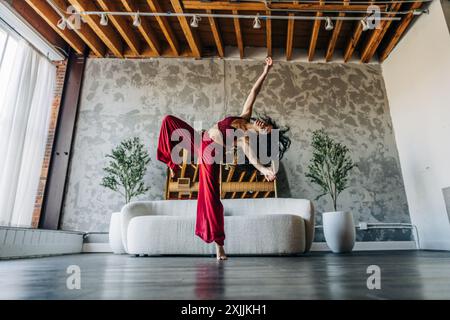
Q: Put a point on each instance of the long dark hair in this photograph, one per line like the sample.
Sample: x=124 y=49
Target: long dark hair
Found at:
x=284 y=140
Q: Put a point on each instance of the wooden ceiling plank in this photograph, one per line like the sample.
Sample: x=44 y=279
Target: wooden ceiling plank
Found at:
x=51 y=17
x=85 y=32
x=269 y=34
x=237 y=29
x=260 y=6
x=403 y=26
x=106 y=33
x=314 y=36
x=216 y=34
x=377 y=36
x=333 y=40
x=145 y=28
x=353 y=42
x=334 y=36
x=166 y=29
x=191 y=37
x=290 y=37
x=122 y=26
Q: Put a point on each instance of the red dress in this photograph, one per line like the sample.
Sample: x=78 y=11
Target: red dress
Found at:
x=210 y=218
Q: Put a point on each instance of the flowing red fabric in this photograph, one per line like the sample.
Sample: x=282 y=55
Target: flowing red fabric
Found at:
x=210 y=220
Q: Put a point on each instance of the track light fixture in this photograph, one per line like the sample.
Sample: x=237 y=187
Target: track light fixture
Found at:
x=365 y=24
x=418 y=12
x=104 y=19
x=256 y=23
x=62 y=24
x=194 y=21
x=329 y=24
x=137 y=20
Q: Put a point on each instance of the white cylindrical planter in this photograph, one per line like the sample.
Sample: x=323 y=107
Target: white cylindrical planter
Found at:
x=339 y=231
x=115 y=234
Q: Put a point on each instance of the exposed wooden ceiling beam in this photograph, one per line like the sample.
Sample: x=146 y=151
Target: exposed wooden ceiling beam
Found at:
x=216 y=34
x=165 y=27
x=85 y=33
x=353 y=42
x=333 y=39
x=377 y=35
x=237 y=29
x=191 y=37
x=269 y=35
x=290 y=37
x=314 y=35
x=260 y=6
x=399 y=32
x=145 y=28
x=334 y=36
x=122 y=26
x=106 y=33
x=52 y=18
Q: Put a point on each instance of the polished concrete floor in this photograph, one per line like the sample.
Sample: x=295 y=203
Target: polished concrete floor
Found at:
x=404 y=275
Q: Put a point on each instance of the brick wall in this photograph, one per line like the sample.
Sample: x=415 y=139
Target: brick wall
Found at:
x=60 y=76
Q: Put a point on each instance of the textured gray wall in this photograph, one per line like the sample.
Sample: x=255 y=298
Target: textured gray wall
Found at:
x=126 y=98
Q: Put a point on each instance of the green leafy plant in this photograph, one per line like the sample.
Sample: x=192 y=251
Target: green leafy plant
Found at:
x=330 y=165
x=126 y=169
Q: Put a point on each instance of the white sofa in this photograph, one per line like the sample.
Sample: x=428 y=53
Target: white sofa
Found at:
x=275 y=226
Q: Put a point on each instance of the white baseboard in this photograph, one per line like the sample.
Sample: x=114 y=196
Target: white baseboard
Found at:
x=23 y=242
x=371 y=246
x=316 y=246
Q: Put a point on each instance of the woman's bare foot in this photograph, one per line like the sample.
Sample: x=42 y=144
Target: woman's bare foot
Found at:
x=220 y=251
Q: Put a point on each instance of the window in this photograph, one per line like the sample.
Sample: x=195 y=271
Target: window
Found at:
x=8 y=46
x=26 y=92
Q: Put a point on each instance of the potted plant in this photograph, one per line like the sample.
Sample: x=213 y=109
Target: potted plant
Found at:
x=125 y=174
x=329 y=169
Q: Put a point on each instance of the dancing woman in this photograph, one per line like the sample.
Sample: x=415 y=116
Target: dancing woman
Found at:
x=210 y=216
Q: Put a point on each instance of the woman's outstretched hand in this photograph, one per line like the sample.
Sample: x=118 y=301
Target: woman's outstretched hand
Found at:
x=268 y=174
x=269 y=64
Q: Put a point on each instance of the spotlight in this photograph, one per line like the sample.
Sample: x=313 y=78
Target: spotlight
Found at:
x=329 y=24
x=104 y=19
x=62 y=24
x=365 y=25
x=194 y=21
x=256 y=23
x=137 y=20
x=418 y=12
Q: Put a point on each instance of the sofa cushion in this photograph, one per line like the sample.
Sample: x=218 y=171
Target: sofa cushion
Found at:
x=245 y=235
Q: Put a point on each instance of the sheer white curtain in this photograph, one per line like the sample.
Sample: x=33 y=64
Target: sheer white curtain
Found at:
x=26 y=90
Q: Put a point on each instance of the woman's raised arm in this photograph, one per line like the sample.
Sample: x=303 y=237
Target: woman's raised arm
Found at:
x=248 y=105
